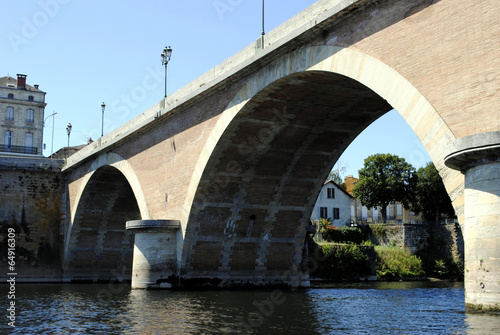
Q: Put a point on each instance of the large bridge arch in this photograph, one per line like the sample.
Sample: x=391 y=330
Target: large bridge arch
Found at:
x=272 y=148
x=98 y=247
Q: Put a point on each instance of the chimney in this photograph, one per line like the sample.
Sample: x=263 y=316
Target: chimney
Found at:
x=21 y=81
x=36 y=86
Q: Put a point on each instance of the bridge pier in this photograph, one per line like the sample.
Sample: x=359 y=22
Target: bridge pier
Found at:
x=155 y=252
x=478 y=157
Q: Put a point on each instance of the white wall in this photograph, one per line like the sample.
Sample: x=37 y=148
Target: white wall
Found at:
x=341 y=201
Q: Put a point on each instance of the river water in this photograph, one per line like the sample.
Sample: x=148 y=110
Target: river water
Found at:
x=359 y=308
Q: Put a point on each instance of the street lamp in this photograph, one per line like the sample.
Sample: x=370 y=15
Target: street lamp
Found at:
x=165 y=57
x=53 y=121
x=103 y=106
x=263 y=31
x=68 y=130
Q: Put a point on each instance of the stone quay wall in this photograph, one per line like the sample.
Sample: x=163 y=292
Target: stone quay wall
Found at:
x=447 y=239
x=31 y=193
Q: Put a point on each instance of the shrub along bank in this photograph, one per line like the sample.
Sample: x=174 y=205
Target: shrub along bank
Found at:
x=343 y=262
x=348 y=262
x=350 y=254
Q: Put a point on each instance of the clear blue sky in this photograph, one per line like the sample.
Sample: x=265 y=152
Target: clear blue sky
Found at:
x=83 y=53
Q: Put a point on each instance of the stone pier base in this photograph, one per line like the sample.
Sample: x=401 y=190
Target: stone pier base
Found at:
x=478 y=157
x=155 y=252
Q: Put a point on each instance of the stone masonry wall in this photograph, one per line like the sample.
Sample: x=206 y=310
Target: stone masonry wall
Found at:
x=447 y=240
x=31 y=202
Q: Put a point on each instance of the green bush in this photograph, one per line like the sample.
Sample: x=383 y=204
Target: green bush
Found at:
x=343 y=262
x=344 y=235
x=395 y=263
x=378 y=230
x=448 y=269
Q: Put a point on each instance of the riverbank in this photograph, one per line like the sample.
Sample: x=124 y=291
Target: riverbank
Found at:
x=340 y=262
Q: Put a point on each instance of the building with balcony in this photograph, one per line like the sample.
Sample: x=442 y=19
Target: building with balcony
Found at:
x=22 y=110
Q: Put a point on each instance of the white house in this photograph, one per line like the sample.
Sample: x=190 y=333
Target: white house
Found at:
x=333 y=203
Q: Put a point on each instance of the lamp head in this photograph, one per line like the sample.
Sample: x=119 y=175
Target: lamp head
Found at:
x=165 y=56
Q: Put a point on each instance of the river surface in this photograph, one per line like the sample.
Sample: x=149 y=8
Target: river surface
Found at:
x=360 y=308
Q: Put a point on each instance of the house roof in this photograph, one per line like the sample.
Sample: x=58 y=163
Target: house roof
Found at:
x=339 y=187
x=5 y=81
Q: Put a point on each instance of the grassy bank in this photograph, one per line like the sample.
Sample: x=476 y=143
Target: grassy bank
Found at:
x=347 y=262
x=394 y=263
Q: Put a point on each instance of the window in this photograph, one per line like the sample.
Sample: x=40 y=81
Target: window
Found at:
x=7 y=139
x=10 y=114
x=30 y=116
x=364 y=213
x=30 y=98
x=330 y=193
x=28 y=143
x=11 y=96
x=336 y=213
x=323 y=212
x=399 y=209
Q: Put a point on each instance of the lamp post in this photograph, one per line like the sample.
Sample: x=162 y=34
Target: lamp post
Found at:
x=68 y=130
x=53 y=121
x=165 y=57
x=103 y=107
x=263 y=31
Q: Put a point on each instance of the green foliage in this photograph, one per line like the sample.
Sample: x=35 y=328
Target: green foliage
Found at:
x=431 y=198
x=324 y=224
x=344 y=235
x=378 y=230
x=395 y=263
x=447 y=269
x=385 y=178
x=440 y=268
x=343 y=262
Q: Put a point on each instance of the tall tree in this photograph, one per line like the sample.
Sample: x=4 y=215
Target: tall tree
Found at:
x=385 y=178
x=431 y=198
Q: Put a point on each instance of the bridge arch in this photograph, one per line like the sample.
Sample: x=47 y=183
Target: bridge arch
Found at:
x=274 y=145
x=97 y=245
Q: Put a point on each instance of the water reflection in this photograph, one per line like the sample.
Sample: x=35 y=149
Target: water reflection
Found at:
x=363 y=308
x=217 y=311
x=479 y=324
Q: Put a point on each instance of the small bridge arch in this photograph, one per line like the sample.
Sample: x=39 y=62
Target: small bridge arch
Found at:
x=98 y=247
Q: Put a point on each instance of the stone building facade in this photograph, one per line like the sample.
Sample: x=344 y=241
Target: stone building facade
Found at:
x=21 y=117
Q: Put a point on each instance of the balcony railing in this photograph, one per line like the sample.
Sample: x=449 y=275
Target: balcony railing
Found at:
x=17 y=149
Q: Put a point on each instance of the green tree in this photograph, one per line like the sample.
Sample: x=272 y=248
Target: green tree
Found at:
x=385 y=178
x=431 y=198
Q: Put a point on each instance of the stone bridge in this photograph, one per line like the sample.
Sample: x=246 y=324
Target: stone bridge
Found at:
x=218 y=180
